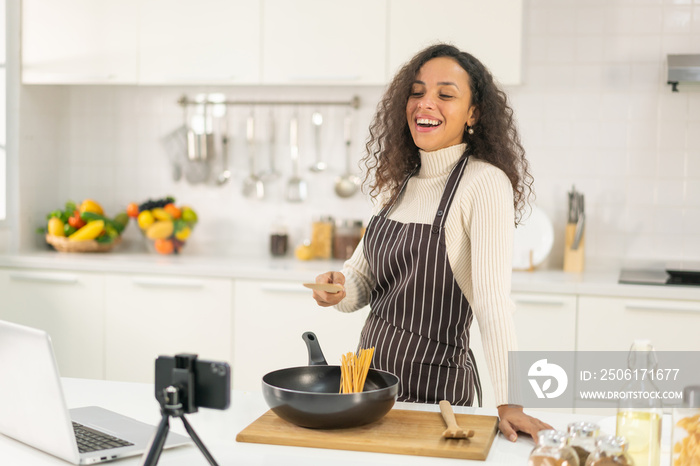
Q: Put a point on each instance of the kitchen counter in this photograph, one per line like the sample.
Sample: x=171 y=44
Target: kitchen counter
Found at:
x=218 y=430
x=134 y=259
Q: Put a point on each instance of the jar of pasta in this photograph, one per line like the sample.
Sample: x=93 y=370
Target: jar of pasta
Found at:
x=686 y=429
x=552 y=450
x=581 y=437
x=322 y=237
x=610 y=450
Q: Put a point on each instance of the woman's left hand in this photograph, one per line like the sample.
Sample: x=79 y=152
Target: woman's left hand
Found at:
x=514 y=420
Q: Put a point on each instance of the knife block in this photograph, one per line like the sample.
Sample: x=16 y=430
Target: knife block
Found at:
x=573 y=258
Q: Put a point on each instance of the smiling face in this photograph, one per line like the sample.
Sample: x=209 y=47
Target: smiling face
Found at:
x=440 y=105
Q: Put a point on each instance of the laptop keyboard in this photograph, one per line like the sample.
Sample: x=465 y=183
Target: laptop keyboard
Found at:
x=94 y=440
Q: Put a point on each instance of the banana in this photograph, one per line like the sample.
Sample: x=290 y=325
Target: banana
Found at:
x=90 y=231
x=161 y=214
x=160 y=229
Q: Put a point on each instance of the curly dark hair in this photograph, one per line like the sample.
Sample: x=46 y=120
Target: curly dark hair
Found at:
x=392 y=154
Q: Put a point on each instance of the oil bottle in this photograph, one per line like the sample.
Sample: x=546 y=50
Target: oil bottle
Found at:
x=639 y=416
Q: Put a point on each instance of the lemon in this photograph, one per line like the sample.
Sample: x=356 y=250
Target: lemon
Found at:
x=304 y=252
x=161 y=214
x=145 y=219
x=183 y=234
x=56 y=227
x=89 y=205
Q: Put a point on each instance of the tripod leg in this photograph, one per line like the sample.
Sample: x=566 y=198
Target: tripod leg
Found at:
x=198 y=442
x=150 y=458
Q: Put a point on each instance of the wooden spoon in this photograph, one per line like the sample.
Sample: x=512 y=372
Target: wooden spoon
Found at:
x=453 y=430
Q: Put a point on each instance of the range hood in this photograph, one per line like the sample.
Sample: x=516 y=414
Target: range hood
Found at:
x=683 y=69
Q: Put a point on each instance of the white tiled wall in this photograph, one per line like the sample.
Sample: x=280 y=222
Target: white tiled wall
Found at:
x=594 y=110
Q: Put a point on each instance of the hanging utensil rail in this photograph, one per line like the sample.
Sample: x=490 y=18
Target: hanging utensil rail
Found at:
x=354 y=102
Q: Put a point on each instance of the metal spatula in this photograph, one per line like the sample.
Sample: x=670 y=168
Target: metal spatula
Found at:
x=453 y=430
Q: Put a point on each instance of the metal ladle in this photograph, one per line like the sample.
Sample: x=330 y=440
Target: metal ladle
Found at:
x=296 y=186
x=319 y=165
x=348 y=184
x=253 y=186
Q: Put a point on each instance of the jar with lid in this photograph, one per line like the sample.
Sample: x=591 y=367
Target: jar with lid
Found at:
x=685 y=449
x=581 y=437
x=322 y=237
x=346 y=238
x=610 y=450
x=279 y=240
x=552 y=450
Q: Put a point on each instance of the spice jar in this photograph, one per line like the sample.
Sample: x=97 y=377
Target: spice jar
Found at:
x=581 y=437
x=322 y=237
x=686 y=429
x=552 y=450
x=279 y=240
x=346 y=238
x=610 y=450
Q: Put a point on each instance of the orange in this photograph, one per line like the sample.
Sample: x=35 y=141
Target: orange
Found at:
x=164 y=246
x=132 y=210
x=172 y=210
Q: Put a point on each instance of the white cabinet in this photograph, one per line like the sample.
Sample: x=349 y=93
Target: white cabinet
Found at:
x=269 y=319
x=491 y=31
x=208 y=41
x=79 y=41
x=317 y=41
x=67 y=305
x=543 y=322
x=147 y=316
x=612 y=324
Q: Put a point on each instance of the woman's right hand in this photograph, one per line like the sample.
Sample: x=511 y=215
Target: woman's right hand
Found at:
x=324 y=298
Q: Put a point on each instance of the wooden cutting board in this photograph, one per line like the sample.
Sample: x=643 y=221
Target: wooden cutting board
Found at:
x=400 y=432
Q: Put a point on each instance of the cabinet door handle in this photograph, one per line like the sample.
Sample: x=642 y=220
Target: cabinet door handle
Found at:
x=167 y=282
x=67 y=278
x=663 y=307
x=285 y=288
x=540 y=301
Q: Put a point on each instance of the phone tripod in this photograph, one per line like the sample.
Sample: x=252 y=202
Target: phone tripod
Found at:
x=176 y=401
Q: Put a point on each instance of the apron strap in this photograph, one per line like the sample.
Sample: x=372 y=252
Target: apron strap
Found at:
x=390 y=205
x=449 y=193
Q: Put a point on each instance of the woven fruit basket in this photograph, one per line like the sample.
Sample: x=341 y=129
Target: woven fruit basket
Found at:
x=63 y=244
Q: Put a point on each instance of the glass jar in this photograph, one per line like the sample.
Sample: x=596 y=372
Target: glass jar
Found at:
x=581 y=437
x=346 y=238
x=685 y=449
x=279 y=240
x=322 y=237
x=639 y=419
x=610 y=450
x=552 y=450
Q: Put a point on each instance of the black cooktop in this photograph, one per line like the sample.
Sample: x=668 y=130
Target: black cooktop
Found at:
x=659 y=277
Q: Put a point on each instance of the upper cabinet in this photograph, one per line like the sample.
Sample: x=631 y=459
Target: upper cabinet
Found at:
x=208 y=41
x=317 y=41
x=80 y=41
x=281 y=42
x=491 y=31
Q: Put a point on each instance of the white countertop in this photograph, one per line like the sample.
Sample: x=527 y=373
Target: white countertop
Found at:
x=135 y=259
x=218 y=430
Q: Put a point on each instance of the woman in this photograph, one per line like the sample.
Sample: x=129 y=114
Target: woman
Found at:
x=451 y=179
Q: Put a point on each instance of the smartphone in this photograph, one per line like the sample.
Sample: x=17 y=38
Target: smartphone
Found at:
x=212 y=380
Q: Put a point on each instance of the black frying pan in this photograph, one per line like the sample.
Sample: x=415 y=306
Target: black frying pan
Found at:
x=308 y=396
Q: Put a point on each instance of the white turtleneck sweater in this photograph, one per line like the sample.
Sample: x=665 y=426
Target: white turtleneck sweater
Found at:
x=479 y=241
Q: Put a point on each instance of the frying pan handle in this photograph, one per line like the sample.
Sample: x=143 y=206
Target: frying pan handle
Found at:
x=315 y=354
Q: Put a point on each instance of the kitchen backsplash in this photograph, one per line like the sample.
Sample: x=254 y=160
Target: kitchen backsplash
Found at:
x=594 y=111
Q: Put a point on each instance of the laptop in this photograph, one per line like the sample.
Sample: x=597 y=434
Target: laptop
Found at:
x=33 y=409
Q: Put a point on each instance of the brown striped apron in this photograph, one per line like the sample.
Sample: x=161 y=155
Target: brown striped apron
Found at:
x=419 y=320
